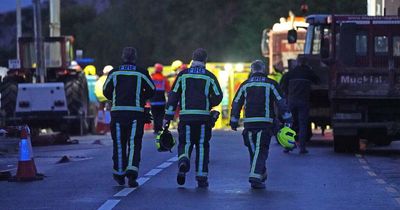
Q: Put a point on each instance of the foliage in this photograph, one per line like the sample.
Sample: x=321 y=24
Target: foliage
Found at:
x=163 y=31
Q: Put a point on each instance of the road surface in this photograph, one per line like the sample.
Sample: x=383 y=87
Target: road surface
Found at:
x=321 y=179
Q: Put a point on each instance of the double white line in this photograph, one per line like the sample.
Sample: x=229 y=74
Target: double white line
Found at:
x=111 y=203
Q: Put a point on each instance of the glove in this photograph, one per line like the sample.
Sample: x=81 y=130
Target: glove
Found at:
x=214 y=117
x=288 y=125
x=234 y=125
x=166 y=124
x=147 y=116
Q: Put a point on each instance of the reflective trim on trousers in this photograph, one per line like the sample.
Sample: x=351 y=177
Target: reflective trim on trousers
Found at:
x=134 y=168
x=257 y=176
x=256 y=153
x=251 y=142
x=201 y=152
x=118 y=128
x=132 y=143
x=187 y=139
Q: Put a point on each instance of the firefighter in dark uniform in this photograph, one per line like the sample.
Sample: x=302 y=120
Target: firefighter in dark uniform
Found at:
x=196 y=90
x=258 y=94
x=128 y=87
x=296 y=84
x=158 y=101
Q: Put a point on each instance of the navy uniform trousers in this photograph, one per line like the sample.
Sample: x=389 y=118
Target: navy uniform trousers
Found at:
x=196 y=134
x=257 y=141
x=127 y=141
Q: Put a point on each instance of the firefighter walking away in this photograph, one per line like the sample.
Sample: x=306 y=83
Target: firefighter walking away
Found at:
x=128 y=87
x=196 y=90
x=258 y=94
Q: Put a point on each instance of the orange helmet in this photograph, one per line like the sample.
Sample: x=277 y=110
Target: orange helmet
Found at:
x=158 y=67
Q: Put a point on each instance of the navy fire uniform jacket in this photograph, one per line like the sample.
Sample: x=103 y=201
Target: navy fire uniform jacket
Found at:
x=196 y=90
x=128 y=87
x=258 y=95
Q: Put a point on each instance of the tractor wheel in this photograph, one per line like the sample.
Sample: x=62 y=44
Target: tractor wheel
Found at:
x=77 y=99
x=8 y=96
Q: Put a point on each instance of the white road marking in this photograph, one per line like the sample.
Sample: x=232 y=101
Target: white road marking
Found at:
x=398 y=200
x=124 y=192
x=173 y=159
x=359 y=155
x=153 y=172
x=109 y=204
x=366 y=167
x=391 y=189
x=164 y=165
x=371 y=173
x=362 y=161
x=380 y=181
x=142 y=180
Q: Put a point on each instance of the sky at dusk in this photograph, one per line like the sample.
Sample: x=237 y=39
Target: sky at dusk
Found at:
x=10 y=5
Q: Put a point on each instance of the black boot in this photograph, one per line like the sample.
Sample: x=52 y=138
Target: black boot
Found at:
x=202 y=181
x=132 y=182
x=120 y=179
x=181 y=178
x=257 y=184
x=132 y=176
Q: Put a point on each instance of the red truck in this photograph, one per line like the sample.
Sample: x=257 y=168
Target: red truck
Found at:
x=357 y=58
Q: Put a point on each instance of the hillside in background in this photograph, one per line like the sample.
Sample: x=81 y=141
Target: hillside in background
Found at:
x=163 y=31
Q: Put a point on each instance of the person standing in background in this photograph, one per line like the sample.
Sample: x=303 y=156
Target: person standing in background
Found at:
x=158 y=101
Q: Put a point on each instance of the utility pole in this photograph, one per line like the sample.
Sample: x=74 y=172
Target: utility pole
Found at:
x=40 y=70
x=55 y=18
x=18 y=20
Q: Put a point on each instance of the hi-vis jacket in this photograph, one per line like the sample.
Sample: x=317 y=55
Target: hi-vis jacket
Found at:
x=196 y=90
x=128 y=88
x=162 y=87
x=258 y=95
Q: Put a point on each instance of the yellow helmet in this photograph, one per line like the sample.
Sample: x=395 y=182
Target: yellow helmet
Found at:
x=90 y=70
x=176 y=64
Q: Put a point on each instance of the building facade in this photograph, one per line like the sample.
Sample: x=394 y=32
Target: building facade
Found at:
x=383 y=7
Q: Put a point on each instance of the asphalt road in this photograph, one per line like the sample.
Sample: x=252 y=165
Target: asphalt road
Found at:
x=318 y=180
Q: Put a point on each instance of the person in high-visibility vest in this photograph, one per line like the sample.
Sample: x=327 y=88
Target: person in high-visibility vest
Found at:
x=158 y=101
x=103 y=114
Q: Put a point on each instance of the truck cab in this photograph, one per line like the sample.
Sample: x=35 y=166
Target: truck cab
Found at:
x=358 y=59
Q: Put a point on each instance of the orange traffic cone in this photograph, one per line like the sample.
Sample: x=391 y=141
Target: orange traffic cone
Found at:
x=103 y=124
x=26 y=165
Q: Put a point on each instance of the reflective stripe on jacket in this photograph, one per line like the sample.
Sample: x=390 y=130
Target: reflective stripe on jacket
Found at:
x=128 y=88
x=196 y=90
x=258 y=95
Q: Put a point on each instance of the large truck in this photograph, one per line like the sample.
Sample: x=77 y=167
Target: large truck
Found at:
x=277 y=48
x=358 y=59
x=60 y=102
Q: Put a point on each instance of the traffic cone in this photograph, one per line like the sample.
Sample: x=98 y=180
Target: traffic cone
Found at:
x=100 y=126
x=26 y=165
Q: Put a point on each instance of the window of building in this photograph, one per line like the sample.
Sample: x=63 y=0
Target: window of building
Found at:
x=381 y=45
x=396 y=46
x=361 y=44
